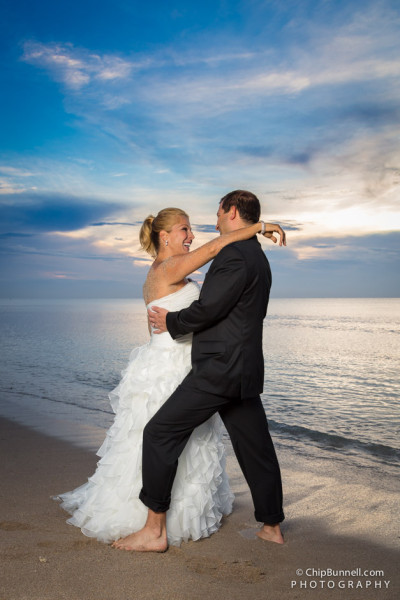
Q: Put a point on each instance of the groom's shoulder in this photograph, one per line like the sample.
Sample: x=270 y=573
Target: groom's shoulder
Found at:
x=251 y=252
x=241 y=251
x=233 y=250
x=232 y=253
x=245 y=247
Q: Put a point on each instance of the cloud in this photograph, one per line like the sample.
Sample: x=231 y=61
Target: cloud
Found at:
x=36 y=212
x=8 y=187
x=301 y=108
x=14 y=180
x=114 y=223
x=339 y=54
x=367 y=249
x=175 y=108
x=76 y=68
x=335 y=54
x=352 y=266
x=14 y=171
x=203 y=228
x=142 y=263
x=371 y=114
x=15 y=235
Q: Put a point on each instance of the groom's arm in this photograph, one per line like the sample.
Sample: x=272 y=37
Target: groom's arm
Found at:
x=224 y=286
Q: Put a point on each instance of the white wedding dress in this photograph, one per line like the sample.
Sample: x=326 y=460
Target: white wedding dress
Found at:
x=107 y=507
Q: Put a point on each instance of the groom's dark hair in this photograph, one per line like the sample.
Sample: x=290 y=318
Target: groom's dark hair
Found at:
x=247 y=204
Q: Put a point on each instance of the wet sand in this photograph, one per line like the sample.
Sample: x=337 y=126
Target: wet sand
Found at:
x=332 y=522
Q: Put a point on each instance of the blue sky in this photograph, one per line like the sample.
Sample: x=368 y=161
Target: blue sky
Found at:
x=111 y=111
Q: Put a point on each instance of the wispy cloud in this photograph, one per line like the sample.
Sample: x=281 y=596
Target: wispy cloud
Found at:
x=7 y=187
x=332 y=55
x=74 y=67
x=165 y=106
x=13 y=181
x=14 y=171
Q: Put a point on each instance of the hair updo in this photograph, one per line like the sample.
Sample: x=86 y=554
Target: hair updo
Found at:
x=149 y=235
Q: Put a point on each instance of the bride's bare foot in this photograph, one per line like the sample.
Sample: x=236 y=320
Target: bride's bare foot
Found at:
x=144 y=540
x=152 y=538
x=271 y=533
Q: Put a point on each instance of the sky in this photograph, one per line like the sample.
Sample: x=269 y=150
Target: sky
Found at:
x=110 y=111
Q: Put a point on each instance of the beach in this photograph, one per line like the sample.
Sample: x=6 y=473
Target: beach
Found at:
x=331 y=398
x=334 y=520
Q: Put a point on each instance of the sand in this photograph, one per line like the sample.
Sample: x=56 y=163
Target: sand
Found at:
x=331 y=524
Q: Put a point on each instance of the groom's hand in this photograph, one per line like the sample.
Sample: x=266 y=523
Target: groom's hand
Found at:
x=158 y=319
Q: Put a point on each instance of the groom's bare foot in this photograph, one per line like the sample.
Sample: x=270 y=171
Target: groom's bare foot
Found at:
x=271 y=533
x=145 y=540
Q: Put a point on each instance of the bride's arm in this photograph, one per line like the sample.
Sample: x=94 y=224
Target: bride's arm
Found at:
x=178 y=267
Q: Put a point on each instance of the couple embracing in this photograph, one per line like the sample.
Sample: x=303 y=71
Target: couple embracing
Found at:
x=204 y=358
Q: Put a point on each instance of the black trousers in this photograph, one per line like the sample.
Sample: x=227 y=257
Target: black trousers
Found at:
x=167 y=433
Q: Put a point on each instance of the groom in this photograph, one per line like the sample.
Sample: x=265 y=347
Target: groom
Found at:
x=227 y=376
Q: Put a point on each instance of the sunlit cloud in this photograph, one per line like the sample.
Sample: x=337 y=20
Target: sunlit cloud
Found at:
x=367 y=249
x=61 y=275
x=142 y=263
x=8 y=187
x=122 y=239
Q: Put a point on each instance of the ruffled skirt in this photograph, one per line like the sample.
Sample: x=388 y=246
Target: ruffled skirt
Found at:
x=107 y=507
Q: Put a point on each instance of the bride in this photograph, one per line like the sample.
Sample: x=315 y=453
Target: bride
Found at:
x=107 y=507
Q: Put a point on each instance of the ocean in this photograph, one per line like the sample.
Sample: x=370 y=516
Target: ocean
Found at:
x=331 y=371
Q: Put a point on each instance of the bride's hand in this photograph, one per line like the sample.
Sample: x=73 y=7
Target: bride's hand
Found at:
x=270 y=229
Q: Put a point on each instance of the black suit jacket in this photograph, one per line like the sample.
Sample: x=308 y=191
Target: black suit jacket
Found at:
x=227 y=322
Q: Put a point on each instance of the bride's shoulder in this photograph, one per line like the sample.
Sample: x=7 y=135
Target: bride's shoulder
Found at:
x=152 y=286
x=157 y=288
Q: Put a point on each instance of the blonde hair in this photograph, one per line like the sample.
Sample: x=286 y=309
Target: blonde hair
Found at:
x=149 y=235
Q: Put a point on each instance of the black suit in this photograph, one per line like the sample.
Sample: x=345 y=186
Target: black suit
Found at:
x=227 y=376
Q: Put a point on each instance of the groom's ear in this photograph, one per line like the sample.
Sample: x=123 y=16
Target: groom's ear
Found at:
x=232 y=212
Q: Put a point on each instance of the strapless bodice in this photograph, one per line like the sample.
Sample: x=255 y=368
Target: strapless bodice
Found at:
x=172 y=302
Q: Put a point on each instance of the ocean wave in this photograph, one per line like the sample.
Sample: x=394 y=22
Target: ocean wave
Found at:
x=328 y=441
x=332 y=441
x=56 y=401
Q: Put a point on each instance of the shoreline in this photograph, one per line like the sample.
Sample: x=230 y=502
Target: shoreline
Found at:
x=90 y=436
x=45 y=559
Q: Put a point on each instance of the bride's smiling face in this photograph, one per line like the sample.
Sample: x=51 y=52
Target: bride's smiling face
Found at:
x=180 y=237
